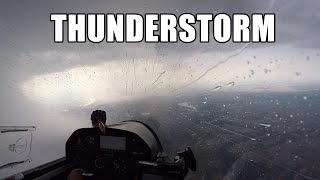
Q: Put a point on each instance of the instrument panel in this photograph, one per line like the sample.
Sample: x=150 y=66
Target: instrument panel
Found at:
x=107 y=156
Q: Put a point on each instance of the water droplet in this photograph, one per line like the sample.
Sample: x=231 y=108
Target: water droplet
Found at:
x=298 y=73
x=308 y=58
x=265 y=125
x=291 y=116
x=305 y=97
x=230 y=84
x=217 y=88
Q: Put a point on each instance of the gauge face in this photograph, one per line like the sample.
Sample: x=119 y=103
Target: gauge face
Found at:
x=89 y=140
x=100 y=163
x=120 y=167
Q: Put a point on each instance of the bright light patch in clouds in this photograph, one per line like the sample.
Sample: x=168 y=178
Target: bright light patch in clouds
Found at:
x=107 y=82
x=121 y=80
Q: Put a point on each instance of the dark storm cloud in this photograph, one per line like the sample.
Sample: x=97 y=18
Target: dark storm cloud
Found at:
x=298 y=22
x=25 y=29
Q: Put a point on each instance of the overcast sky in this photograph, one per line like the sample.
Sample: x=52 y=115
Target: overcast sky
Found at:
x=28 y=52
x=33 y=65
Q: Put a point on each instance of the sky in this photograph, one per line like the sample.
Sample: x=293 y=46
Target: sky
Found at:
x=38 y=76
x=35 y=66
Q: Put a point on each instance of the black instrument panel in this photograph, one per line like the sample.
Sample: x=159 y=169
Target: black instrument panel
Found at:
x=107 y=156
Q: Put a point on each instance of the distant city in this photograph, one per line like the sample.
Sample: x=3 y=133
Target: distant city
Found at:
x=238 y=135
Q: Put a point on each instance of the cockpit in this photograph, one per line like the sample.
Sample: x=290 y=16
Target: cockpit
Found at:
x=130 y=150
